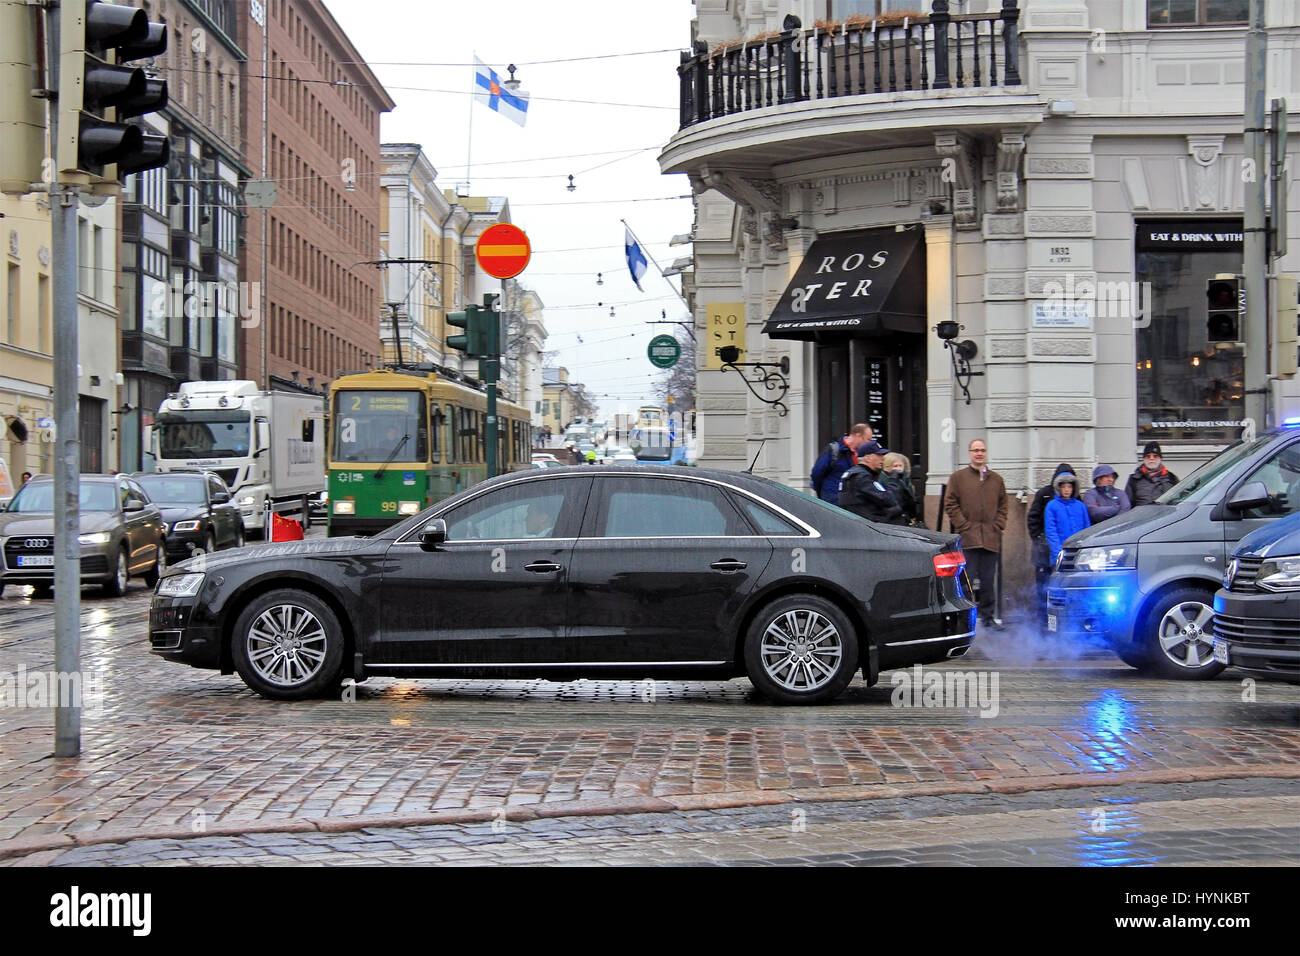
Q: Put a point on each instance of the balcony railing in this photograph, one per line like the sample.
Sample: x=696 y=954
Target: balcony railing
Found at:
x=939 y=52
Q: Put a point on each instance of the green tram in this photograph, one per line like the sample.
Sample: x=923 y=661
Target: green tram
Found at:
x=399 y=440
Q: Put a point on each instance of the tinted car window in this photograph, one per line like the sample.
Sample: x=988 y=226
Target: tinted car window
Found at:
x=768 y=522
x=1281 y=476
x=39 y=498
x=524 y=510
x=215 y=487
x=664 y=508
x=174 y=491
x=1203 y=480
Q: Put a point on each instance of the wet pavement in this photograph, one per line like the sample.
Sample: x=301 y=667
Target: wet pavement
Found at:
x=191 y=757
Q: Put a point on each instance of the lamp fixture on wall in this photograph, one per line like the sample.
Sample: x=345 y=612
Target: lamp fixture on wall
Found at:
x=960 y=352
x=771 y=375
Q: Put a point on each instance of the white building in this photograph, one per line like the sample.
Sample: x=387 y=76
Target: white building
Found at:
x=1015 y=166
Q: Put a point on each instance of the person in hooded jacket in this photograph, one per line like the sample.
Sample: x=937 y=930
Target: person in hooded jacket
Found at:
x=1042 y=561
x=1064 y=515
x=1152 y=479
x=1103 y=499
x=896 y=478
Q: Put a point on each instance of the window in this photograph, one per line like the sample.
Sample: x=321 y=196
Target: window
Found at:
x=843 y=9
x=1181 y=13
x=766 y=521
x=11 y=306
x=1190 y=373
x=667 y=508
x=1281 y=476
x=42 y=313
x=534 y=509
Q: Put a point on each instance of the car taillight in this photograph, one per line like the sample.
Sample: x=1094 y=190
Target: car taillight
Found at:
x=949 y=564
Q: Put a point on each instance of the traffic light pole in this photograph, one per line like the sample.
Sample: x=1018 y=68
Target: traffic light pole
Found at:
x=1254 y=266
x=67 y=434
x=492 y=371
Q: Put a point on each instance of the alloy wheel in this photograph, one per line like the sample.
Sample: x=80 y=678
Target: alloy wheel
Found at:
x=1185 y=634
x=286 y=645
x=801 y=650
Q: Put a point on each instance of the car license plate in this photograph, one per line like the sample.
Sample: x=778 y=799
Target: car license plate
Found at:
x=1220 y=652
x=36 y=561
x=1051 y=622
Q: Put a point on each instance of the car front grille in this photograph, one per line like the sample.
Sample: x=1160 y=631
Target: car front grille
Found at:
x=93 y=564
x=1247 y=572
x=1263 y=634
x=1068 y=556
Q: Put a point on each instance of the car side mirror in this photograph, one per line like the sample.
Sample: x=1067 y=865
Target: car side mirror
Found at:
x=133 y=504
x=1253 y=494
x=433 y=534
x=220 y=497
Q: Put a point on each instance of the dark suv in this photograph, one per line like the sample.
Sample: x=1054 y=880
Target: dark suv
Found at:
x=198 y=511
x=1257 y=613
x=1144 y=582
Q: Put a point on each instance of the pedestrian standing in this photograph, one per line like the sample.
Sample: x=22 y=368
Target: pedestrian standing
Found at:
x=898 y=480
x=862 y=489
x=838 y=458
x=976 y=504
x=1103 y=499
x=1038 y=550
x=1152 y=479
x=1064 y=515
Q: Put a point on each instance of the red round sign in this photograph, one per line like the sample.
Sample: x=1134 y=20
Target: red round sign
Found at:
x=502 y=251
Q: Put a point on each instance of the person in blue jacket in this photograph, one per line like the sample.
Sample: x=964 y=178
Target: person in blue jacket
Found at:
x=1064 y=515
x=838 y=458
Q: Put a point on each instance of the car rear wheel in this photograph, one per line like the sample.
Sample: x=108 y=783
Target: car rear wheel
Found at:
x=1179 y=640
x=288 y=645
x=209 y=542
x=239 y=537
x=801 y=649
x=116 y=585
x=152 y=577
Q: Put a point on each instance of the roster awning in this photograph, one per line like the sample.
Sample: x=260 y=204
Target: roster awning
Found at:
x=855 y=283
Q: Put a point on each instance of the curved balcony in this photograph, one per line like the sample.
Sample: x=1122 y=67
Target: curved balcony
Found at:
x=861 y=84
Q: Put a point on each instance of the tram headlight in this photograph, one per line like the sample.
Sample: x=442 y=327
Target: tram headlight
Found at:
x=345 y=507
x=408 y=508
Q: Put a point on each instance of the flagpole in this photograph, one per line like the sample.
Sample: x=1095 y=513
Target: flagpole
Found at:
x=646 y=250
x=469 y=140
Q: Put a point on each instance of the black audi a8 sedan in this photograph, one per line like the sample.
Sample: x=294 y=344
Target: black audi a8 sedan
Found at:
x=616 y=572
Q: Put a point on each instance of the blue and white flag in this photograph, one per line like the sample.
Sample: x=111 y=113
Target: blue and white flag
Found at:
x=636 y=260
x=492 y=93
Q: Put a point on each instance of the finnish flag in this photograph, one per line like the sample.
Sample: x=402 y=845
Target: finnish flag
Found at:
x=492 y=93
x=636 y=260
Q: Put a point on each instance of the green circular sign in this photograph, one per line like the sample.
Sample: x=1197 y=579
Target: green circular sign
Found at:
x=664 y=351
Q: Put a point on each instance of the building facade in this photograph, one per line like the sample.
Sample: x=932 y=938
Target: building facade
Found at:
x=310 y=230
x=1051 y=188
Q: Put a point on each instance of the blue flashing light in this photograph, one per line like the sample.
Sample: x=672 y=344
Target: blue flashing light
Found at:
x=1291 y=422
x=1112 y=598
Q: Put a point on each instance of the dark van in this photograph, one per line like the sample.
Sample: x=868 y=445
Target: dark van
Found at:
x=1144 y=582
x=1257 y=611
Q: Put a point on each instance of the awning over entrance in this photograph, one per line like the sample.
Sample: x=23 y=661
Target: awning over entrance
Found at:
x=855 y=283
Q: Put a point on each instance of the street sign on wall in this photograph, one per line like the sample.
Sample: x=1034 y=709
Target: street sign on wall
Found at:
x=664 y=351
x=502 y=251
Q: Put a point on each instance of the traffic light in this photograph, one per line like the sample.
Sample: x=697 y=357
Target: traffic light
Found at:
x=1283 y=324
x=96 y=90
x=491 y=319
x=473 y=342
x=1225 y=305
x=22 y=115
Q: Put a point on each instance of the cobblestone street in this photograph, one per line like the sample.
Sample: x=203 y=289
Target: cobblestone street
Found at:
x=181 y=765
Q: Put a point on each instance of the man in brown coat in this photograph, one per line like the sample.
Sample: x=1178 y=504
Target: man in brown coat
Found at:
x=976 y=504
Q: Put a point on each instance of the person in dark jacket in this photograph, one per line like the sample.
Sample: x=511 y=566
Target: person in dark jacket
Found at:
x=1064 y=514
x=1103 y=499
x=897 y=480
x=863 y=490
x=838 y=458
x=1151 y=480
x=1038 y=553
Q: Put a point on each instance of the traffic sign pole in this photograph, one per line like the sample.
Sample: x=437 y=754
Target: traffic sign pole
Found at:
x=502 y=252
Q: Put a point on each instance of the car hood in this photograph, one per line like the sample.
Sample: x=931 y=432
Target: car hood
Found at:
x=182 y=512
x=1280 y=537
x=278 y=551
x=1131 y=526
x=43 y=524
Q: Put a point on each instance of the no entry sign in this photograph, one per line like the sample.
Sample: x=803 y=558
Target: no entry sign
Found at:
x=502 y=251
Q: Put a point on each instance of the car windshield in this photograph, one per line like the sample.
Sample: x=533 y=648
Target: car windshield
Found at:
x=1203 y=480
x=175 y=491
x=39 y=498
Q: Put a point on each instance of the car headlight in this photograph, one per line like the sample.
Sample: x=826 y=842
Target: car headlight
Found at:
x=247 y=501
x=345 y=507
x=97 y=537
x=186 y=526
x=408 y=507
x=180 y=585
x=1280 y=573
x=1103 y=559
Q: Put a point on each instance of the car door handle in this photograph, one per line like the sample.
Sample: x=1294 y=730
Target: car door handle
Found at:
x=542 y=567
x=727 y=565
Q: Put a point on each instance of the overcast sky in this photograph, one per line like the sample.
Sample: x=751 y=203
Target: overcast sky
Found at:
x=422 y=52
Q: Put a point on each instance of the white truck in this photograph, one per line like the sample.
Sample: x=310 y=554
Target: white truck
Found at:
x=267 y=446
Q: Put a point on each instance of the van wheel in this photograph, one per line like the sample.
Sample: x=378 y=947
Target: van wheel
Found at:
x=801 y=649
x=1179 y=640
x=1132 y=656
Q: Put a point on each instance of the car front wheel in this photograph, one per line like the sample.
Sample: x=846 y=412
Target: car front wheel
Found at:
x=801 y=649
x=1179 y=636
x=288 y=645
